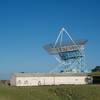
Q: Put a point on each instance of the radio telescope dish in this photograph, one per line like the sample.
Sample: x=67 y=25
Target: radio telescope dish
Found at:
x=69 y=54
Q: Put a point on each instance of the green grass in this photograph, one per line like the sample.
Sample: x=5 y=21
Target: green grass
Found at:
x=62 y=92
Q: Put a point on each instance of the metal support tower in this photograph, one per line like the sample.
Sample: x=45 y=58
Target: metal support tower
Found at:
x=70 y=54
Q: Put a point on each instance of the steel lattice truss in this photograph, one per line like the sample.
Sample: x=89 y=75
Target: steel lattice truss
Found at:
x=69 y=54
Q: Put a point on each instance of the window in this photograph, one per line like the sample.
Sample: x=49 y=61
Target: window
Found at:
x=76 y=79
x=19 y=81
x=26 y=82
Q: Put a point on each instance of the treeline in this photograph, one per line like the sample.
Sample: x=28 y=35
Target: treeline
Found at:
x=5 y=82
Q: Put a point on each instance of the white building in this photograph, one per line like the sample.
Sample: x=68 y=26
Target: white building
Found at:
x=35 y=79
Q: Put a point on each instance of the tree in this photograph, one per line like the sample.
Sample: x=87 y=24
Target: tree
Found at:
x=96 y=69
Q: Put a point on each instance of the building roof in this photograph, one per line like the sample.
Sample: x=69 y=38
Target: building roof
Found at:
x=48 y=74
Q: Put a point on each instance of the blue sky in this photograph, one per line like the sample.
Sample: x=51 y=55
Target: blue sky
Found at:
x=27 y=25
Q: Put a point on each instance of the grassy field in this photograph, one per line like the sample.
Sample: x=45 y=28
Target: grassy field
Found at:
x=63 y=92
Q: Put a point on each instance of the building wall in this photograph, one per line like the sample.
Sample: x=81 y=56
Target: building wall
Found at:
x=13 y=80
x=35 y=81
